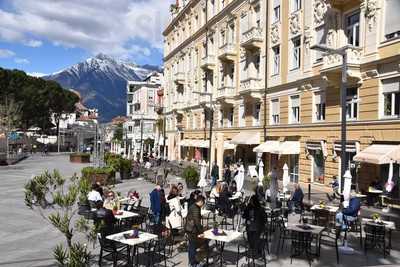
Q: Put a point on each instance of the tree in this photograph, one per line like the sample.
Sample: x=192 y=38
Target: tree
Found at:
x=10 y=113
x=119 y=133
x=51 y=192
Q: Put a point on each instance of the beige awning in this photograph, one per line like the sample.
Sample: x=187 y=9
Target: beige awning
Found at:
x=228 y=145
x=379 y=154
x=246 y=138
x=267 y=147
x=289 y=148
x=281 y=148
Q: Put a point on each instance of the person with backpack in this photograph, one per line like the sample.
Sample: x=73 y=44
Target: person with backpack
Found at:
x=194 y=230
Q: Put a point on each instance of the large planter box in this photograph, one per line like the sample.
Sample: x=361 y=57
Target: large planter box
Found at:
x=79 y=158
x=102 y=178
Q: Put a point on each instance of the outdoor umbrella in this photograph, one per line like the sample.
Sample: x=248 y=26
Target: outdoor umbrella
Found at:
x=390 y=184
x=261 y=172
x=203 y=173
x=240 y=178
x=285 y=179
x=347 y=187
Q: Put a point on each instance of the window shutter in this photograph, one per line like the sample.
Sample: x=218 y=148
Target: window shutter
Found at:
x=391 y=85
x=392 y=23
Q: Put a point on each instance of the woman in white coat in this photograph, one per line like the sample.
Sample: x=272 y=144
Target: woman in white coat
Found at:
x=174 y=219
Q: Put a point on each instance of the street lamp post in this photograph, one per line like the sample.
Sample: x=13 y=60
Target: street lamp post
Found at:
x=343 y=87
x=211 y=126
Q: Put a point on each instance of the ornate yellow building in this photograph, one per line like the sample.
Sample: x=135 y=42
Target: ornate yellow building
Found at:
x=227 y=48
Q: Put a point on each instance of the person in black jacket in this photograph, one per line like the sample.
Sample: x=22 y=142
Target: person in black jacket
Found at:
x=227 y=174
x=255 y=223
x=224 y=204
x=194 y=229
x=104 y=219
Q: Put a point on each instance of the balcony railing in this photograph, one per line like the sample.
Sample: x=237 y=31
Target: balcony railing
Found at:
x=208 y=62
x=227 y=52
x=334 y=61
x=252 y=38
x=226 y=91
x=179 y=77
x=250 y=84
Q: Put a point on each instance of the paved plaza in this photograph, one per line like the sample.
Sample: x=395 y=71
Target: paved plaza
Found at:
x=27 y=240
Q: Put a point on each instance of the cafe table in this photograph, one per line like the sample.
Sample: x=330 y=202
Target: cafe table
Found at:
x=123 y=214
x=224 y=236
x=132 y=242
x=389 y=226
x=331 y=209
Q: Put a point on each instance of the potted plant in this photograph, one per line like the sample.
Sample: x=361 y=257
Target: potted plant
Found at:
x=191 y=176
x=215 y=228
x=322 y=204
x=376 y=218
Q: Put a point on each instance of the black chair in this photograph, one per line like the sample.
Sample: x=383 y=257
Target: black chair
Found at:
x=375 y=237
x=354 y=226
x=322 y=217
x=115 y=249
x=301 y=243
x=331 y=238
x=284 y=234
x=251 y=254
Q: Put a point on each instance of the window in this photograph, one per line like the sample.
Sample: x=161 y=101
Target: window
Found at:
x=222 y=4
x=243 y=23
x=221 y=75
x=321 y=40
x=391 y=97
x=319 y=105
x=257 y=59
x=222 y=38
x=256 y=114
x=194 y=124
x=277 y=10
x=296 y=5
x=277 y=59
x=221 y=118
x=318 y=165
x=353 y=29
x=392 y=21
x=296 y=53
x=275 y=111
x=130 y=129
x=352 y=103
x=295 y=109
x=242 y=115
x=130 y=109
x=230 y=117
x=232 y=33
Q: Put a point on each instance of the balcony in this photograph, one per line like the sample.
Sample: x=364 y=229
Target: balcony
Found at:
x=251 y=86
x=226 y=94
x=332 y=63
x=252 y=39
x=179 y=78
x=227 y=52
x=208 y=62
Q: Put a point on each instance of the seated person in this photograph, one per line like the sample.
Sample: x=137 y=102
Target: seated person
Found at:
x=133 y=199
x=94 y=196
x=224 y=204
x=192 y=197
x=215 y=191
x=335 y=188
x=111 y=201
x=296 y=200
x=349 y=213
x=104 y=219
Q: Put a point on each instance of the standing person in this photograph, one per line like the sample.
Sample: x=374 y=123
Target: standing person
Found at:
x=174 y=219
x=194 y=229
x=227 y=174
x=255 y=223
x=273 y=188
x=214 y=174
x=155 y=203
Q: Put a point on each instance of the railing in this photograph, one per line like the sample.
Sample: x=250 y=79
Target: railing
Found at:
x=227 y=49
x=179 y=77
x=354 y=55
x=208 y=60
x=226 y=91
x=251 y=83
x=253 y=34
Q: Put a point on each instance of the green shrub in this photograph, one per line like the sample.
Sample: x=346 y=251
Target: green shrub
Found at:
x=91 y=172
x=80 y=154
x=191 y=176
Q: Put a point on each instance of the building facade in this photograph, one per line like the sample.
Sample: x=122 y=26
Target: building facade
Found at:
x=232 y=49
x=140 y=128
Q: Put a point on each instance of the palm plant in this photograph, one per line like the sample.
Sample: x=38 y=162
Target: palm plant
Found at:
x=55 y=199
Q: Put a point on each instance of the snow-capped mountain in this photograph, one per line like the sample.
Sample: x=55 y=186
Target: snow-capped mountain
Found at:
x=101 y=81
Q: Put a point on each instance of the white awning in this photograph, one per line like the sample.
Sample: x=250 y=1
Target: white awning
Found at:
x=246 y=138
x=228 y=145
x=195 y=143
x=379 y=154
x=267 y=147
x=280 y=148
x=289 y=148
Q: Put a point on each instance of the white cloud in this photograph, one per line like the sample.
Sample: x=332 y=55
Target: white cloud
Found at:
x=23 y=61
x=106 y=26
x=5 y=53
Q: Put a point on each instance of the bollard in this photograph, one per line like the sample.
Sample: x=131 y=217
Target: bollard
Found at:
x=309 y=192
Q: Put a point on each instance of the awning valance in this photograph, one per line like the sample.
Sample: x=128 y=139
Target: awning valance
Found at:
x=281 y=148
x=352 y=147
x=267 y=147
x=379 y=154
x=246 y=138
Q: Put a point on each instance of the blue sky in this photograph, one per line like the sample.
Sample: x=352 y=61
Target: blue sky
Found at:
x=44 y=36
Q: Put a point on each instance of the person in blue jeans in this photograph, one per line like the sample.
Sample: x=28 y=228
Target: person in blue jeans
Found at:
x=155 y=204
x=350 y=213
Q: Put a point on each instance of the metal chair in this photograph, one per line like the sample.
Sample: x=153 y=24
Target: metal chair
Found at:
x=375 y=237
x=301 y=243
x=115 y=249
x=331 y=238
x=251 y=253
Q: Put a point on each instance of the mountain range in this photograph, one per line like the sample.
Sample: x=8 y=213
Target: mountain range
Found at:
x=101 y=82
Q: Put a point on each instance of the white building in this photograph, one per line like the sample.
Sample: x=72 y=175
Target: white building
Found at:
x=141 y=126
